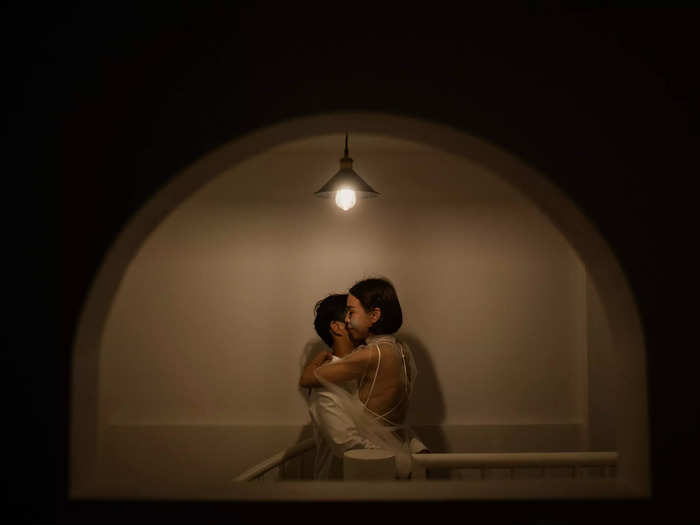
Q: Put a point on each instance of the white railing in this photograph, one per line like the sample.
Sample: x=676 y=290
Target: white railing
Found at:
x=576 y=461
x=260 y=471
x=422 y=463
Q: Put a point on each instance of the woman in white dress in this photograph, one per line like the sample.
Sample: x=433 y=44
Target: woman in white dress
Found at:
x=383 y=367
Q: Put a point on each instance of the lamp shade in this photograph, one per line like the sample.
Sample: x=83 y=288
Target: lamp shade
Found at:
x=346 y=179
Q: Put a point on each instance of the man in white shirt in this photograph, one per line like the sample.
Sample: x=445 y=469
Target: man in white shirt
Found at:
x=334 y=430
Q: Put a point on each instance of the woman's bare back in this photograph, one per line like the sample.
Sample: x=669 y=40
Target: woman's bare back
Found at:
x=389 y=390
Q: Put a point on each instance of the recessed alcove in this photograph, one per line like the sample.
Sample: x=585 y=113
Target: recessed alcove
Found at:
x=189 y=347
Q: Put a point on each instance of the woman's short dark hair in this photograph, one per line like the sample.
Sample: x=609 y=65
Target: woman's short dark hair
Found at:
x=332 y=308
x=380 y=293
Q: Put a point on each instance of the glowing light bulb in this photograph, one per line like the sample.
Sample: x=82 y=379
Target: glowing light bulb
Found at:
x=345 y=199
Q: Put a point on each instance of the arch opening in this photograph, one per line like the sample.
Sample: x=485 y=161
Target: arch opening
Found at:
x=606 y=279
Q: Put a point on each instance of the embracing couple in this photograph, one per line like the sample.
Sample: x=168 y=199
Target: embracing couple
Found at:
x=359 y=391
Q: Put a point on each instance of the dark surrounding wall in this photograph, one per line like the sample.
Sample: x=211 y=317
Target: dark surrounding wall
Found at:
x=110 y=102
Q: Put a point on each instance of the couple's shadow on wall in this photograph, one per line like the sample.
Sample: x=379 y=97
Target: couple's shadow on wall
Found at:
x=426 y=413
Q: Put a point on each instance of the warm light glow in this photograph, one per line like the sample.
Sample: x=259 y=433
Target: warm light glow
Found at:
x=345 y=199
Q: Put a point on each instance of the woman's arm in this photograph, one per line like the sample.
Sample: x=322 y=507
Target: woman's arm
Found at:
x=308 y=379
x=354 y=366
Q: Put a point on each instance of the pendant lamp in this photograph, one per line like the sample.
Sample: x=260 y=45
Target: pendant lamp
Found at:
x=346 y=186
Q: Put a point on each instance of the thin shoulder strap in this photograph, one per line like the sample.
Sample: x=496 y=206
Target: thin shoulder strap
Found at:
x=405 y=372
x=379 y=360
x=383 y=416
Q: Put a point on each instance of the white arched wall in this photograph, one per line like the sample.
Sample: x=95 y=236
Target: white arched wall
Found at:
x=603 y=287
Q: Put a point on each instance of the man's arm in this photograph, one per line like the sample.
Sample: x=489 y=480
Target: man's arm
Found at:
x=349 y=368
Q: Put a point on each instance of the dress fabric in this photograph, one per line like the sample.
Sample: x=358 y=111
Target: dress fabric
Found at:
x=376 y=428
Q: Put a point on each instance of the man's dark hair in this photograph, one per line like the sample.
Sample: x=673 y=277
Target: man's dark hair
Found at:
x=380 y=293
x=332 y=308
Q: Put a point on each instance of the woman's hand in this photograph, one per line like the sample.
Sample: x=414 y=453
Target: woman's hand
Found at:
x=342 y=344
